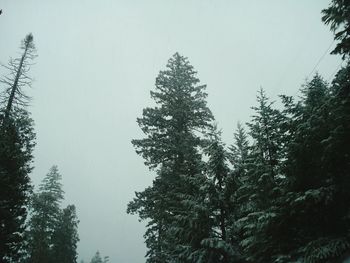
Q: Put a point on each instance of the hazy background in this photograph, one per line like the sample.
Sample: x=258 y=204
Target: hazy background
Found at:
x=97 y=62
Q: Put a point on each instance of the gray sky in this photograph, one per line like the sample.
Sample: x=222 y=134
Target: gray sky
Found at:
x=97 y=62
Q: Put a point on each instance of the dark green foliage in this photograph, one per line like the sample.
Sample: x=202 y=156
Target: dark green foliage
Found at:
x=16 y=146
x=220 y=188
x=286 y=197
x=178 y=220
x=52 y=234
x=45 y=215
x=337 y=15
x=259 y=176
x=17 y=140
x=65 y=237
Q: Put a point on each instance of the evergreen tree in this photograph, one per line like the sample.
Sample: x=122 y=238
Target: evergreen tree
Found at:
x=238 y=157
x=176 y=224
x=321 y=168
x=338 y=16
x=45 y=216
x=260 y=185
x=65 y=237
x=17 y=140
x=98 y=259
x=239 y=151
x=313 y=193
x=220 y=189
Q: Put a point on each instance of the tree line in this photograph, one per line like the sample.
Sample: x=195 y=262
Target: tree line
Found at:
x=278 y=193
x=33 y=226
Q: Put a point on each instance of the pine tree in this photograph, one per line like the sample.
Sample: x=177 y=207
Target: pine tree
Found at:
x=312 y=192
x=45 y=216
x=17 y=140
x=65 y=237
x=98 y=259
x=260 y=185
x=176 y=224
x=238 y=185
x=338 y=16
x=239 y=151
x=221 y=187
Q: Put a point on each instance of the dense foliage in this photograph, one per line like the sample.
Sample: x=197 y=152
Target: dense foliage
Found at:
x=280 y=193
x=52 y=232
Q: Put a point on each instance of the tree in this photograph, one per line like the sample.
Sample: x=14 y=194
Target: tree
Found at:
x=172 y=130
x=313 y=191
x=323 y=194
x=18 y=78
x=98 y=259
x=17 y=141
x=45 y=216
x=337 y=15
x=65 y=237
x=259 y=186
x=220 y=189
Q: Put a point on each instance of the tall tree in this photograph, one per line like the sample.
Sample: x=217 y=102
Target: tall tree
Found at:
x=65 y=237
x=256 y=195
x=18 y=78
x=17 y=140
x=172 y=130
x=220 y=190
x=45 y=216
x=239 y=206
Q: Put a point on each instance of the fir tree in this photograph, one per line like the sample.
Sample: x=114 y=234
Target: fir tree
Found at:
x=220 y=190
x=17 y=140
x=175 y=228
x=338 y=16
x=45 y=216
x=65 y=237
x=98 y=259
x=260 y=185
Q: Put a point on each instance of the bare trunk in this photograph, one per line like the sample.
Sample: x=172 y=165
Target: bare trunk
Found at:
x=14 y=86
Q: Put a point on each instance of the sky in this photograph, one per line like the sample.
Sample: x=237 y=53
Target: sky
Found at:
x=97 y=62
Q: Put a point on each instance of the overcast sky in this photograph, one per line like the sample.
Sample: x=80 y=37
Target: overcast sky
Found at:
x=97 y=62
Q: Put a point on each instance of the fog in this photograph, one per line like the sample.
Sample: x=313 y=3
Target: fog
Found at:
x=97 y=62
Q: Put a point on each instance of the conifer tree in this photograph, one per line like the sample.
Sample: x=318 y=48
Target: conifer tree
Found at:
x=17 y=140
x=45 y=216
x=256 y=195
x=98 y=259
x=220 y=190
x=176 y=225
x=238 y=157
x=337 y=15
x=65 y=237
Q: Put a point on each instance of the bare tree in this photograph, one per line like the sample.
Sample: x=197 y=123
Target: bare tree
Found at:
x=17 y=79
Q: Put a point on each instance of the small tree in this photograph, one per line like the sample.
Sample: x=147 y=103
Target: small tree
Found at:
x=98 y=259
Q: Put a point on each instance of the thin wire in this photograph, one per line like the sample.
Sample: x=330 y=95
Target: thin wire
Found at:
x=321 y=58
x=335 y=71
x=318 y=63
